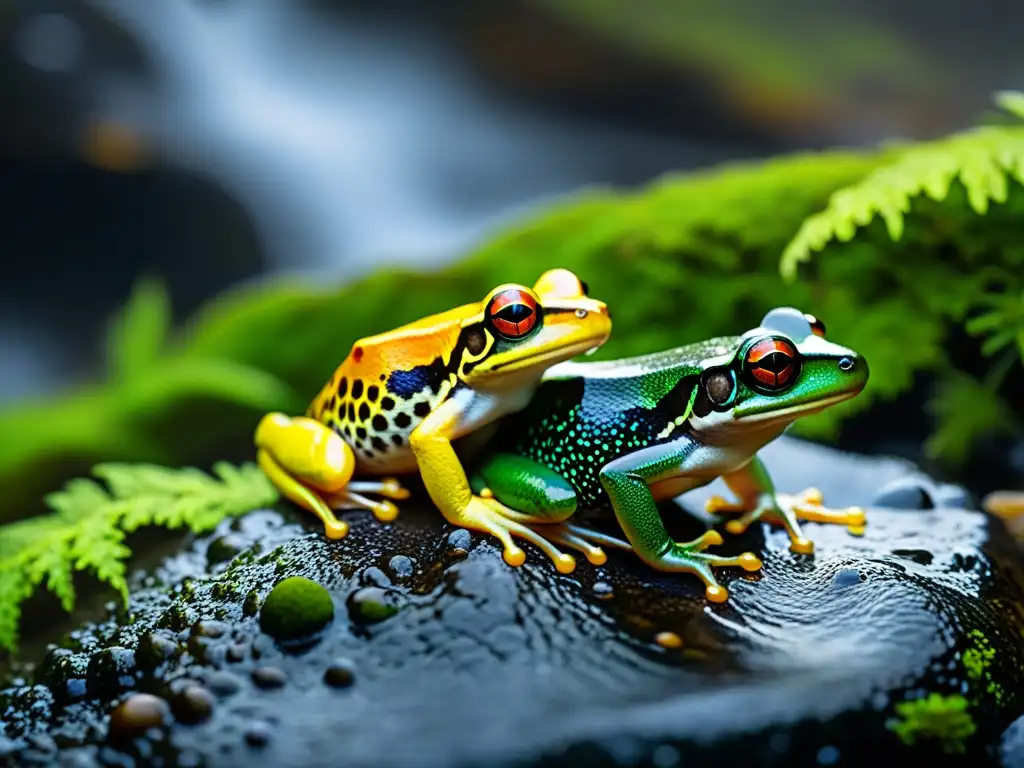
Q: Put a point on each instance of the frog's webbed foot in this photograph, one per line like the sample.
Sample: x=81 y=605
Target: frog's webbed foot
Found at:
x=351 y=497
x=690 y=557
x=785 y=510
x=585 y=540
x=490 y=516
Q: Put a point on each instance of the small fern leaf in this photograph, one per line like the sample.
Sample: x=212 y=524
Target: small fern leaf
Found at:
x=87 y=529
x=101 y=549
x=53 y=567
x=1012 y=102
x=15 y=589
x=983 y=160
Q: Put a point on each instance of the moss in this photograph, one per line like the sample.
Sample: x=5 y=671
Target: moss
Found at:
x=944 y=719
x=977 y=661
x=297 y=607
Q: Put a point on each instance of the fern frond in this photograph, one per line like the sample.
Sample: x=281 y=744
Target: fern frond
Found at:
x=984 y=160
x=87 y=528
x=965 y=408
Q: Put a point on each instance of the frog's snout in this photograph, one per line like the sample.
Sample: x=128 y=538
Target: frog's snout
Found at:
x=854 y=370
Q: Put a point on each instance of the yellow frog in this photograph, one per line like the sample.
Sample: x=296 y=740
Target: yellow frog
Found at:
x=399 y=399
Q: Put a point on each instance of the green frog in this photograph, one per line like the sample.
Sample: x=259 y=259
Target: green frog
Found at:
x=633 y=432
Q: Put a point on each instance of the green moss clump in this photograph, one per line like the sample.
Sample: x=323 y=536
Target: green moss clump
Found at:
x=977 y=661
x=297 y=607
x=945 y=719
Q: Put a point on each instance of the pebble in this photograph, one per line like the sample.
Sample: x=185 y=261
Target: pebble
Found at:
x=269 y=677
x=193 y=705
x=137 y=714
x=339 y=674
x=402 y=566
x=257 y=735
x=668 y=640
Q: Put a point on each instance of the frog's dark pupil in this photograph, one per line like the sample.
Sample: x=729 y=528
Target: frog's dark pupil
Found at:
x=776 y=362
x=515 y=313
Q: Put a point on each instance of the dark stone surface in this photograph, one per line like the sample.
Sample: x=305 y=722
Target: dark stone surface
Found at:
x=485 y=665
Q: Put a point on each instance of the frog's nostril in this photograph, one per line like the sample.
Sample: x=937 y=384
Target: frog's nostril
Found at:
x=846 y=363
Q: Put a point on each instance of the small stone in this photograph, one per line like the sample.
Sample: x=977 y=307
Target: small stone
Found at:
x=236 y=653
x=251 y=606
x=375 y=577
x=193 y=705
x=269 y=678
x=460 y=539
x=296 y=608
x=371 y=605
x=41 y=742
x=257 y=735
x=954 y=496
x=669 y=640
x=910 y=492
x=224 y=548
x=401 y=566
x=137 y=714
x=208 y=628
x=603 y=590
x=154 y=649
x=223 y=684
x=339 y=674
x=846 y=577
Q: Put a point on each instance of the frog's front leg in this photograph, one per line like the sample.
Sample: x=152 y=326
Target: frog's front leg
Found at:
x=312 y=466
x=450 y=489
x=627 y=481
x=759 y=501
x=536 y=495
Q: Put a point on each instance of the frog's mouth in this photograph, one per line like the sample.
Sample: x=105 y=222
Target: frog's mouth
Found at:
x=793 y=412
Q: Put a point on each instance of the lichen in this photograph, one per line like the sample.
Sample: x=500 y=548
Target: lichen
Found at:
x=943 y=719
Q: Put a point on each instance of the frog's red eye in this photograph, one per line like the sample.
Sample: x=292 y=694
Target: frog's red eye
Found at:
x=817 y=327
x=513 y=313
x=772 y=364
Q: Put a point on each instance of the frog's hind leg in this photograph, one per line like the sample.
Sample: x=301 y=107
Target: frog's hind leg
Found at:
x=300 y=494
x=542 y=499
x=351 y=497
x=312 y=466
x=759 y=501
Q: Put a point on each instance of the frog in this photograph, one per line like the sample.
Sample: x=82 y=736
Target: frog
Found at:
x=633 y=432
x=400 y=399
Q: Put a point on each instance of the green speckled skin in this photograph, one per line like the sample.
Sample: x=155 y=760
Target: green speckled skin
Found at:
x=631 y=432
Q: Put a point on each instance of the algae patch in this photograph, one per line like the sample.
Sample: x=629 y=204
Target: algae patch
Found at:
x=945 y=719
x=978 y=661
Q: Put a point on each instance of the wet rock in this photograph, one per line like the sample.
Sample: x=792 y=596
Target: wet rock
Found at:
x=224 y=548
x=138 y=714
x=110 y=672
x=907 y=493
x=903 y=641
x=401 y=566
x=269 y=678
x=371 y=605
x=193 y=705
x=296 y=608
x=340 y=674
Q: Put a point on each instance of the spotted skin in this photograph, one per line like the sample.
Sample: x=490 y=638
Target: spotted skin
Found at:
x=399 y=399
x=630 y=433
